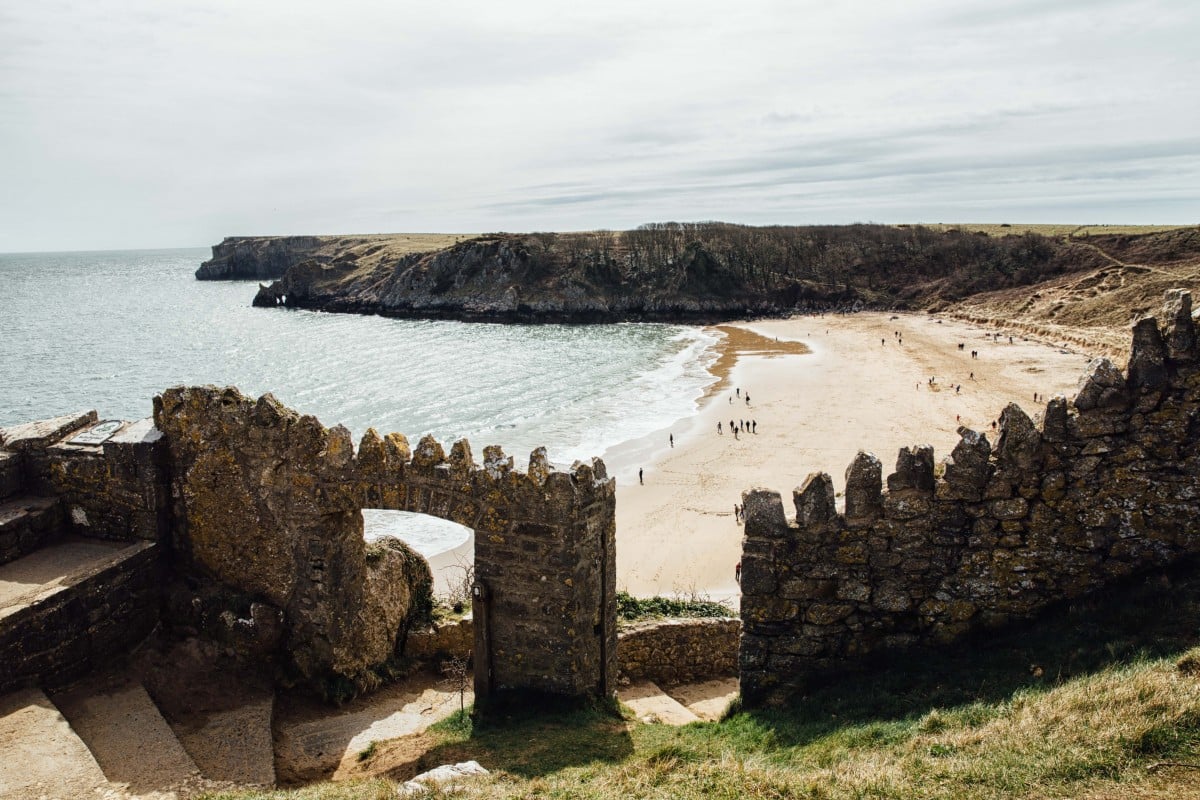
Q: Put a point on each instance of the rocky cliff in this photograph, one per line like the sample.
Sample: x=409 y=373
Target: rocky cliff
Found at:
x=690 y=272
x=256 y=257
x=269 y=257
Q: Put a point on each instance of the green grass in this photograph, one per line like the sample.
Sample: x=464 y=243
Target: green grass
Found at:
x=1084 y=703
x=634 y=609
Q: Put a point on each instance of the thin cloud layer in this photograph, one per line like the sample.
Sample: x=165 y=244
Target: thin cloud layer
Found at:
x=127 y=124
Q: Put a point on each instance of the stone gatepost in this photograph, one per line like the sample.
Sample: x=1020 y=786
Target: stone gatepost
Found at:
x=545 y=581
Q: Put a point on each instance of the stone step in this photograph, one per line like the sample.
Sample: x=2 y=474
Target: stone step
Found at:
x=41 y=758
x=708 y=700
x=652 y=704
x=69 y=608
x=28 y=523
x=233 y=745
x=134 y=746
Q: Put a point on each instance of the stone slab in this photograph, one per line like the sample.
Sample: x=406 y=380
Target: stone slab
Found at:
x=39 y=434
x=140 y=432
x=234 y=745
x=707 y=700
x=652 y=704
x=121 y=725
x=41 y=758
x=42 y=574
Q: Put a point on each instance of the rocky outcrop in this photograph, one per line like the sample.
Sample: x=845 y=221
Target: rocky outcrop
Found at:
x=687 y=272
x=256 y=257
x=507 y=278
x=1106 y=486
x=265 y=508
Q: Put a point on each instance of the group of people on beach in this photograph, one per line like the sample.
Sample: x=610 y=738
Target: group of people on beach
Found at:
x=739 y=426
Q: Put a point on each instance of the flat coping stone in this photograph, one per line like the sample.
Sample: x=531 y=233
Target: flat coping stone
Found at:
x=43 y=432
x=46 y=572
x=140 y=432
x=12 y=512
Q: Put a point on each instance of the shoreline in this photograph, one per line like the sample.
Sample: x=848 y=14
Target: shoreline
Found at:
x=862 y=385
x=822 y=388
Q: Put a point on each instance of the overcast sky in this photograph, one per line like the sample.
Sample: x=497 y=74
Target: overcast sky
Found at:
x=159 y=124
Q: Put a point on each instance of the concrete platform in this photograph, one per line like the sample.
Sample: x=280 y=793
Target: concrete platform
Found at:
x=41 y=758
x=43 y=573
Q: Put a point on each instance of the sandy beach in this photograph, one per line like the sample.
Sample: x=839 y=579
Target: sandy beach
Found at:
x=864 y=384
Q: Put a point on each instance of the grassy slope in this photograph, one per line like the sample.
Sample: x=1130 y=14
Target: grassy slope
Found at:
x=1092 y=309
x=1096 y=700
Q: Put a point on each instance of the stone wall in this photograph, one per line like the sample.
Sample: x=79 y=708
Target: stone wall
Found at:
x=1101 y=488
x=666 y=651
x=266 y=503
x=84 y=626
x=118 y=489
x=674 y=651
x=11 y=479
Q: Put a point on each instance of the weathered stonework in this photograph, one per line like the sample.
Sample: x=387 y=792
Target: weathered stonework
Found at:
x=666 y=651
x=79 y=628
x=675 y=651
x=544 y=601
x=114 y=490
x=266 y=502
x=1104 y=487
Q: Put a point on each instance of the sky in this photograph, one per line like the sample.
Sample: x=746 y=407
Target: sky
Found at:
x=154 y=123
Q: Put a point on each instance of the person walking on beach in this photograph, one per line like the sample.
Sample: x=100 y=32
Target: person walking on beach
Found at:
x=640 y=481
x=718 y=427
x=739 y=391
x=747 y=398
x=737 y=572
x=672 y=440
x=753 y=426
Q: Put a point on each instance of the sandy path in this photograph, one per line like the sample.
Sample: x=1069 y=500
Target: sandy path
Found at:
x=861 y=387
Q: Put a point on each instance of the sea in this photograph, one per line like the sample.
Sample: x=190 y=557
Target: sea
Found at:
x=109 y=330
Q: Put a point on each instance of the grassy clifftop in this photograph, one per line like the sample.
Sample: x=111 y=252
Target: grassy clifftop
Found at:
x=696 y=271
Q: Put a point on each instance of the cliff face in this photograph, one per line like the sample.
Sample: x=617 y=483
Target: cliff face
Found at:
x=687 y=272
x=256 y=257
x=269 y=257
x=514 y=278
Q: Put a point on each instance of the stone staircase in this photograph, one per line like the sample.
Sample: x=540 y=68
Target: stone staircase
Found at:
x=73 y=605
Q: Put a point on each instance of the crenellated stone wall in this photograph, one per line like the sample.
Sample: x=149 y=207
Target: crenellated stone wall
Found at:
x=1095 y=490
x=267 y=503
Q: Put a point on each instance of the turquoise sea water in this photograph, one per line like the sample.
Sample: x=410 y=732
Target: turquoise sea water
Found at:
x=109 y=330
